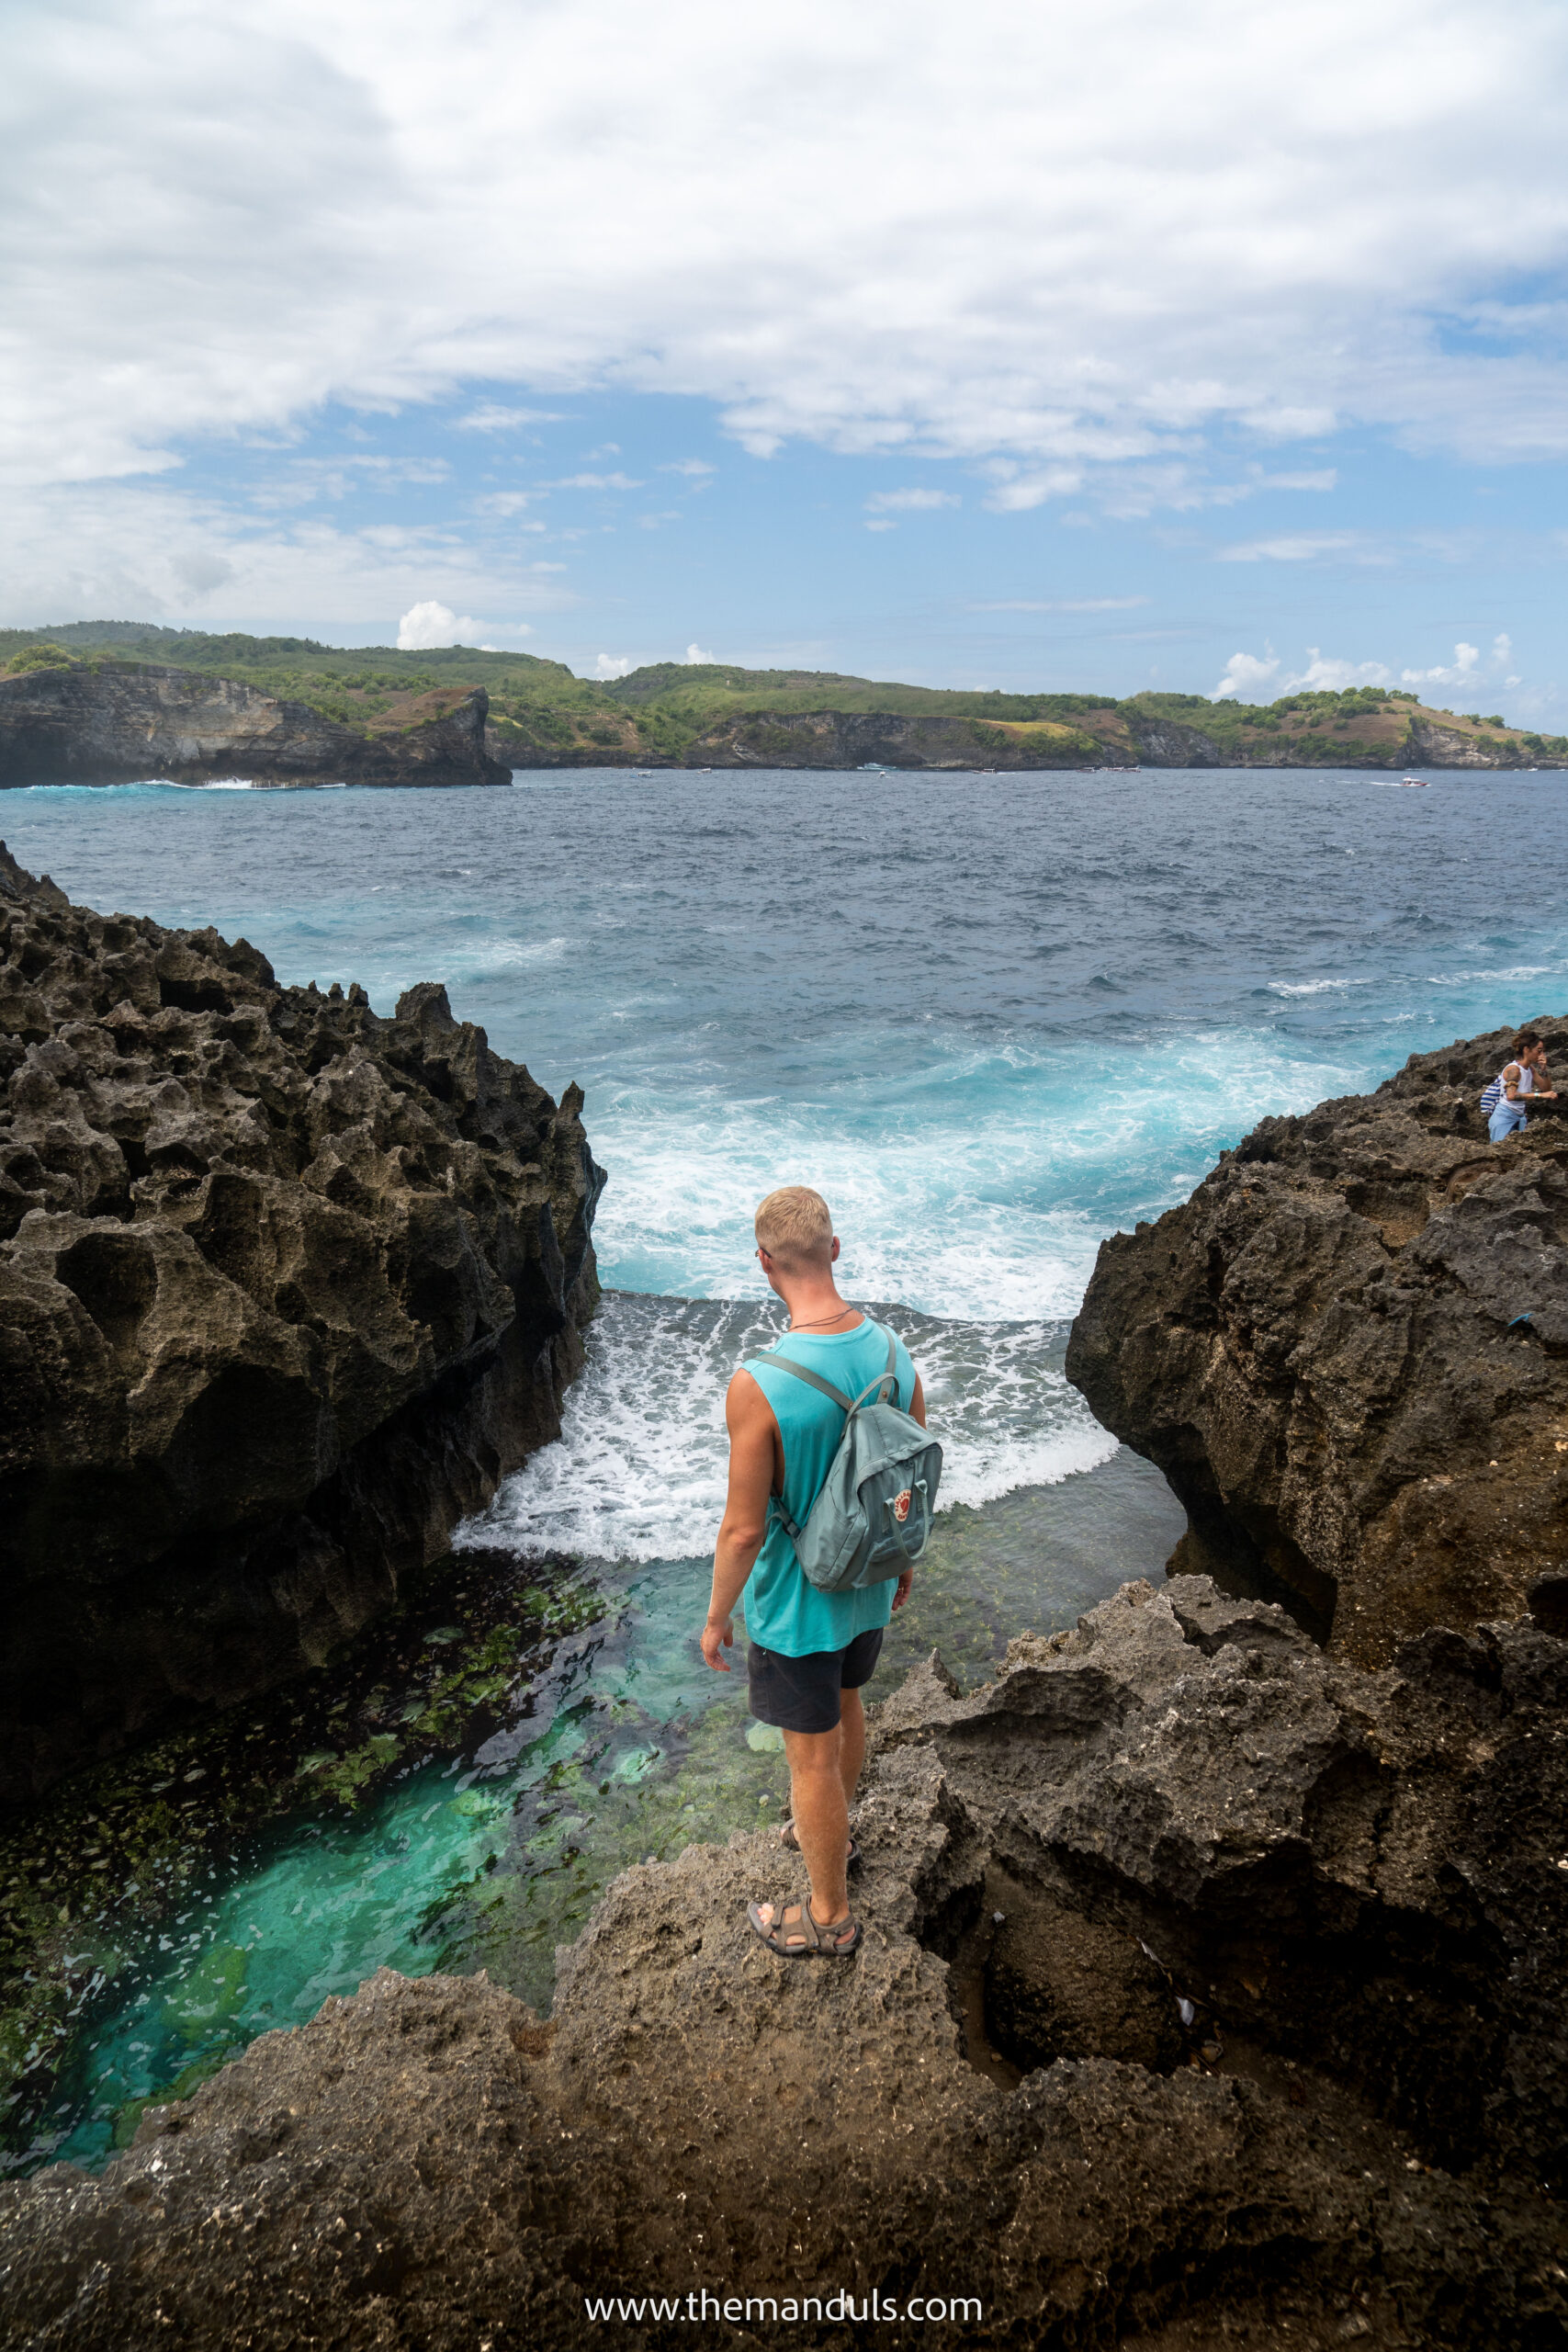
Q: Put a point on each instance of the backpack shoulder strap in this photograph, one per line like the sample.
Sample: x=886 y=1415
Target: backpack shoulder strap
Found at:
x=798 y=1371
x=886 y=1383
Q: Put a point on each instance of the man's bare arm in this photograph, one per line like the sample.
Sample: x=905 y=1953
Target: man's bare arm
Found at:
x=918 y=1413
x=752 y=1431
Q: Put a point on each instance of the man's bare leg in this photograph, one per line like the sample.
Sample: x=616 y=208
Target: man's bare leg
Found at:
x=822 y=1815
x=852 y=1742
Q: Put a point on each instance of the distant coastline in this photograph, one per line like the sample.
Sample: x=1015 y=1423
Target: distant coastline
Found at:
x=375 y=707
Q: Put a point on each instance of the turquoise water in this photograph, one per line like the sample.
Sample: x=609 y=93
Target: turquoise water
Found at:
x=993 y=1019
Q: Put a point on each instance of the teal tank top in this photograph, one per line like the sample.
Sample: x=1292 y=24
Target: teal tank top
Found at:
x=784 y=1612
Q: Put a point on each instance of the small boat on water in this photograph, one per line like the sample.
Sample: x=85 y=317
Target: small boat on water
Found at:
x=1416 y=784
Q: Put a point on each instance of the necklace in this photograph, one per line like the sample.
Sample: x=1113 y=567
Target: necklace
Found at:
x=817 y=1323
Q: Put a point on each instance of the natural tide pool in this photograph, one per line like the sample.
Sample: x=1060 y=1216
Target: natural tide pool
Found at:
x=525 y=1730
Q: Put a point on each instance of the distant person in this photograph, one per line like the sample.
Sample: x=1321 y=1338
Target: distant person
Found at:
x=809 y=1651
x=1519 y=1083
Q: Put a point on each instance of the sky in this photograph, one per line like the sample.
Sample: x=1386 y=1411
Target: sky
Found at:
x=1219 y=349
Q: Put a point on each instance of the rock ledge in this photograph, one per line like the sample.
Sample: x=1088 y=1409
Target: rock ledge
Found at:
x=1275 y=1947
x=1348 y=1354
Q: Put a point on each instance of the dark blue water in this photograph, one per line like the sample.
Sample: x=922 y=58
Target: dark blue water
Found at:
x=991 y=1018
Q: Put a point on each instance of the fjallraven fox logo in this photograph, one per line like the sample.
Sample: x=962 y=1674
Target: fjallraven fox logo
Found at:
x=901 y=1506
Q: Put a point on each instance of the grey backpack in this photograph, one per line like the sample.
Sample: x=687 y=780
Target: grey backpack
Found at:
x=873 y=1514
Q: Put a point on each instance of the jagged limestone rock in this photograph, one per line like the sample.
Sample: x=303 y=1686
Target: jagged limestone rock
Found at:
x=284 y=1290
x=1351 y=1877
x=1348 y=1354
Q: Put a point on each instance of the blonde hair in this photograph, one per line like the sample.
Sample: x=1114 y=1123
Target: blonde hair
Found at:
x=794 y=1225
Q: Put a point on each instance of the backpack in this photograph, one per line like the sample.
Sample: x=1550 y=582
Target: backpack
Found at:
x=1491 y=1097
x=873 y=1512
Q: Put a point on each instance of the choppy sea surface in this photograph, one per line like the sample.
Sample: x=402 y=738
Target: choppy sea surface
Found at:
x=992 y=1018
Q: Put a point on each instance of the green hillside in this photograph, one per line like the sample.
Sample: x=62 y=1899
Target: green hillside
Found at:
x=672 y=713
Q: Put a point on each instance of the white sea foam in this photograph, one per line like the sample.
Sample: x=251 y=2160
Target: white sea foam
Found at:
x=983 y=1195
x=1511 y=972
x=504 y=954
x=639 y=1473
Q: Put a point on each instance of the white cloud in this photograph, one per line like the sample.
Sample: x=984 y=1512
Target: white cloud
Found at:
x=490 y=417
x=1016 y=490
x=694 y=469
x=883 y=524
x=1247 y=674
x=595 y=482
x=153 y=550
x=1298 y=546
x=433 y=623
x=611 y=666
x=1467 y=668
x=843 y=229
x=1332 y=675
x=1461 y=671
x=694 y=654
x=911 y=502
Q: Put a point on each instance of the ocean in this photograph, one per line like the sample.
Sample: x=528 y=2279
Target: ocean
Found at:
x=992 y=1018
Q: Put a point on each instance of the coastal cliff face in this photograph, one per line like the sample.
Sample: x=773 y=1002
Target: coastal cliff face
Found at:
x=1348 y=1354
x=286 y=1289
x=1207 y=1986
x=121 y=722
x=1107 y=736
x=116 y=720
x=830 y=739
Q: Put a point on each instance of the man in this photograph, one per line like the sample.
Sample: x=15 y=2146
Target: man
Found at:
x=809 y=1651
x=1524 y=1079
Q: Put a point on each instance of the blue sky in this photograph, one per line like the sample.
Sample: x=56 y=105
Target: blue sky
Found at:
x=1019 y=350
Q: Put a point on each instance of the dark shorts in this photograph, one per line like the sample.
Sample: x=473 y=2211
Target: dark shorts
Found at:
x=803 y=1693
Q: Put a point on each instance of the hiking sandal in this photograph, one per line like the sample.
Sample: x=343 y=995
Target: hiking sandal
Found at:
x=787 y=1838
x=799 y=1939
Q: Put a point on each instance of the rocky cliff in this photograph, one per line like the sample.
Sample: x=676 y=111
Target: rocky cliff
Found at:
x=835 y=739
x=1348 y=1354
x=1209 y=1995
x=286 y=1288
x=122 y=721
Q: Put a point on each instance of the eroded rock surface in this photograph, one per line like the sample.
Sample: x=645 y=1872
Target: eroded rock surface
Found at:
x=1348 y=1354
x=115 y=722
x=1350 y=1881
x=284 y=1290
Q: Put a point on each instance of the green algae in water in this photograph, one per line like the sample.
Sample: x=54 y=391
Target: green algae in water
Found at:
x=493 y=1852
x=205 y=2000
x=97 y=1881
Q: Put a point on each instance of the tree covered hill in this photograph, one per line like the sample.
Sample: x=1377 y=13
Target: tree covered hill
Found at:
x=715 y=714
